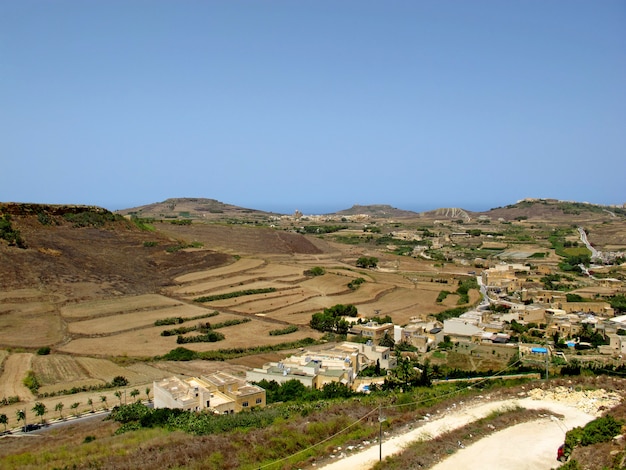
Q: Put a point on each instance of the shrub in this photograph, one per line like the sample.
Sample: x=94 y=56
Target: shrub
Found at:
x=8 y=233
x=119 y=381
x=316 y=271
x=31 y=382
x=284 y=331
x=356 y=283
x=367 y=262
x=44 y=351
x=599 y=430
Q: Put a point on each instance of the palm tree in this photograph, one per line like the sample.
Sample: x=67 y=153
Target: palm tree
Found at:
x=134 y=392
x=59 y=407
x=4 y=420
x=103 y=399
x=90 y=403
x=74 y=406
x=40 y=410
x=118 y=394
x=148 y=393
x=21 y=416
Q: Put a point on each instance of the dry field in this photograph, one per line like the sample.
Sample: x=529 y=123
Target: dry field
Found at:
x=32 y=324
x=121 y=322
x=14 y=370
x=117 y=305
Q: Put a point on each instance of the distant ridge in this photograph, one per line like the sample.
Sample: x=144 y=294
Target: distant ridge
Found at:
x=377 y=210
x=187 y=207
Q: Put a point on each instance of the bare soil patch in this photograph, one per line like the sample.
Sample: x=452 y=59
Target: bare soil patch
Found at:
x=30 y=324
x=14 y=370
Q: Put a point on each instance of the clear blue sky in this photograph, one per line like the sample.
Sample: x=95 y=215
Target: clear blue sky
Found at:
x=313 y=104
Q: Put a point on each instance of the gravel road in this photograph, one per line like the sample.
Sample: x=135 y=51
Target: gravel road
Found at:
x=527 y=446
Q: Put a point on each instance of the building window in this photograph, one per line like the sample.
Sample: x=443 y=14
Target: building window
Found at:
x=244 y=404
x=258 y=401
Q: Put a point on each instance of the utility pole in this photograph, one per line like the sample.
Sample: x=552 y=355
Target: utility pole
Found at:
x=547 y=359
x=381 y=418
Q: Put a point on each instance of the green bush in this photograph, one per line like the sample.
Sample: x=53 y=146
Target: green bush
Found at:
x=44 y=351
x=284 y=331
x=91 y=218
x=356 y=283
x=31 y=382
x=367 y=262
x=599 y=430
x=316 y=271
x=8 y=233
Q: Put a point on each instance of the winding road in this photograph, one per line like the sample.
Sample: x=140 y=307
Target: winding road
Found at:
x=527 y=446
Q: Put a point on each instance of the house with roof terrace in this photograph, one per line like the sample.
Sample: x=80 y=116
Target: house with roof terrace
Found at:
x=219 y=393
x=339 y=363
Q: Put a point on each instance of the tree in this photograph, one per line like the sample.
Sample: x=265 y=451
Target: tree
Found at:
x=59 y=407
x=74 y=406
x=387 y=341
x=103 y=399
x=134 y=392
x=4 y=420
x=118 y=394
x=21 y=416
x=40 y=410
x=119 y=381
x=367 y=262
x=148 y=393
x=90 y=403
x=331 y=319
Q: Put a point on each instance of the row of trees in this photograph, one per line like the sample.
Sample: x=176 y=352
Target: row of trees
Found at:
x=40 y=409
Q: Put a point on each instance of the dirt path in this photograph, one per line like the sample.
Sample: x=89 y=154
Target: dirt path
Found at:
x=528 y=446
x=15 y=367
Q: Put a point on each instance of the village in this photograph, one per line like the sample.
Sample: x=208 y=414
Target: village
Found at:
x=536 y=325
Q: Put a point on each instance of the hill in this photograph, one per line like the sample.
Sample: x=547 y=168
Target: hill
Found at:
x=86 y=252
x=556 y=211
x=193 y=208
x=382 y=211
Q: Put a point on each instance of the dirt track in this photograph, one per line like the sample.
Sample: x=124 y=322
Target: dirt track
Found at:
x=526 y=446
x=15 y=368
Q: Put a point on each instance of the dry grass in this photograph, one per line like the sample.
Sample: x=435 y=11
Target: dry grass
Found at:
x=241 y=265
x=117 y=305
x=34 y=324
x=130 y=321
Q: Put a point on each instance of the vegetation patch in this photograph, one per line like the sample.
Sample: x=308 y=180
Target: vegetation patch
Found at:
x=91 y=218
x=231 y=295
x=9 y=234
x=179 y=320
x=599 y=430
x=356 y=283
x=183 y=354
x=284 y=331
